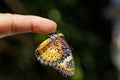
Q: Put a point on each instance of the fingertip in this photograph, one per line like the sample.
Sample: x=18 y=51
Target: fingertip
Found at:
x=43 y=25
x=53 y=26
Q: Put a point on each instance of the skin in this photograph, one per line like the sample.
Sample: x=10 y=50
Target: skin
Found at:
x=12 y=24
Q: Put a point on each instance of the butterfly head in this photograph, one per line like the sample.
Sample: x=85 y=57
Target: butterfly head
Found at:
x=60 y=34
x=53 y=36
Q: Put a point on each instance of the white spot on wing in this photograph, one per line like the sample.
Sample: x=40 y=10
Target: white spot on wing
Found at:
x=66 y=60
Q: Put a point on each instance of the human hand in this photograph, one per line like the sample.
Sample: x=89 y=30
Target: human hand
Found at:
x=11 y=24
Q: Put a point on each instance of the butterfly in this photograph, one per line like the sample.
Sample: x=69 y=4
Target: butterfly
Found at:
x=55 y=52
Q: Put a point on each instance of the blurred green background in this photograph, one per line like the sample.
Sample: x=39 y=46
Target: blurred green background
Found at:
x=85 y=29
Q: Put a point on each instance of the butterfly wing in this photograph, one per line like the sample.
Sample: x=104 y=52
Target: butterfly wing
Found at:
x=55 y=52
x=66 y=66
x=48 y=53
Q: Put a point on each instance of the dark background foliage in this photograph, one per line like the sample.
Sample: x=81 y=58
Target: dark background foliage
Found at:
x=84 y=27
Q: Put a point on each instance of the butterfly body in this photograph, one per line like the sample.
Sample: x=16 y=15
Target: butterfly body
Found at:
x=55 y=52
